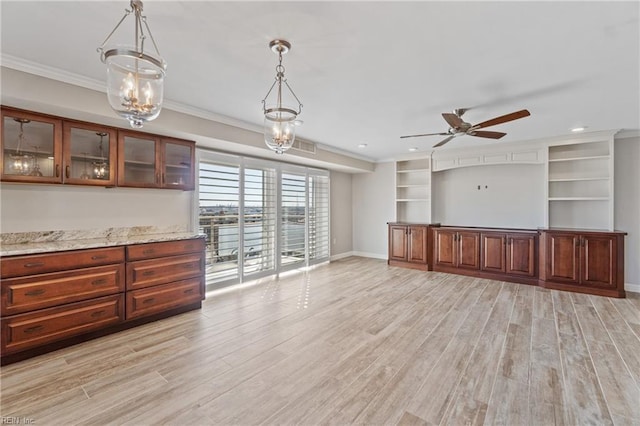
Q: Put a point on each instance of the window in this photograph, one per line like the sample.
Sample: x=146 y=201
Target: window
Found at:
x=260 y=217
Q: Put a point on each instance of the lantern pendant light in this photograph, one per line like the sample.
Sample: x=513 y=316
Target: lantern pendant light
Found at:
x=135 y=78
x=280 y=120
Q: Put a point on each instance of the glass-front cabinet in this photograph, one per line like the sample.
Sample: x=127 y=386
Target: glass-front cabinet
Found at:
x=89 y=154
x=138 y=159
x=31 y=147
x=154 y=162
x=178 y=163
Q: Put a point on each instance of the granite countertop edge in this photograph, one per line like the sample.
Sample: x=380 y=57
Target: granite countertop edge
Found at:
x=80 y=244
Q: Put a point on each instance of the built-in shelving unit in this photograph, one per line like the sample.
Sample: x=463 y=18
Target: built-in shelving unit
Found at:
x=413 y=190
x=580 y=184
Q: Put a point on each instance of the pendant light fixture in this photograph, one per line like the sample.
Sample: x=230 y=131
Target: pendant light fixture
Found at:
x=135 y=78
x=280 y=119
x=20 y=162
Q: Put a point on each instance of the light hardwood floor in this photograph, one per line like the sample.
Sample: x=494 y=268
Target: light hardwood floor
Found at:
x=352 y=342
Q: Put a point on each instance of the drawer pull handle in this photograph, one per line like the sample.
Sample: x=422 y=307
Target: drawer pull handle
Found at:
x=67 y=172
x=188 y=291
x=147 y=273
x=33 y=264
x=148 y=251
x=97 y=314
x=99 y=281
x=188 y=266
x=33 y=329
x=149 y=300
x=99 y=257
x=37 y=292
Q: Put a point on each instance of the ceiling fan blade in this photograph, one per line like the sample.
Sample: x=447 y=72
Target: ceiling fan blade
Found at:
x=442 y=142
x=486 y=134
x=425 y=134
x=453 y=120
x=503 y=119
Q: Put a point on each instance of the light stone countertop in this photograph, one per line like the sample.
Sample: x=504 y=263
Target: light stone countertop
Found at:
x=79 y=244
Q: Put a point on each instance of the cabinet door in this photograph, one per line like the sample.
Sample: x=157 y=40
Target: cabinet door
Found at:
x=598 y=261
x=138 y=160
x=563 y=256
x=468 y=250
x=493 y=252
x=31 y=147
x=521 y=254
x=89 y=153
x=178 y=164
x=398 y=242
x=445 y=250
x=417 y=244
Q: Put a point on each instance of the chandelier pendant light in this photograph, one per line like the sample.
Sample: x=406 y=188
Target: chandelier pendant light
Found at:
x=280 y=119
x=135 y=78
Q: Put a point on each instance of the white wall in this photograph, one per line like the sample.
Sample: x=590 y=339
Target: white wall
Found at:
x=341 y=214
x=25 y=208
x=373 y=207
x=510 y=196
x=627 y=205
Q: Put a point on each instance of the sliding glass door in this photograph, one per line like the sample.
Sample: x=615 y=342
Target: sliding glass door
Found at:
x=260 y=217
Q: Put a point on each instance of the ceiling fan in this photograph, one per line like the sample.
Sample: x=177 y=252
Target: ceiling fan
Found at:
x=459 y=127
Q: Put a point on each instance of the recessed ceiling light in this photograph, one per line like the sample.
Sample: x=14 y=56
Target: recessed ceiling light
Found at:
x=412 y=149
x=578 y=129
x=362 y=145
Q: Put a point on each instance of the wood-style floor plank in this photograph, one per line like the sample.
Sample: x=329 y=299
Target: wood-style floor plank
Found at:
x=352 y=342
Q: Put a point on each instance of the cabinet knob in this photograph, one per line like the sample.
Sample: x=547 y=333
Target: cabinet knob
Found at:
x=67 y=172
x=57 y=170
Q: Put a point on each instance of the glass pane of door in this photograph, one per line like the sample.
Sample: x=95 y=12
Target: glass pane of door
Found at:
x=318 y=218
x=219 y=208
x=259 y=220
x=293 y=219
x=139 y=161
x=89 y=154
x=28 y=147
x=177 y=164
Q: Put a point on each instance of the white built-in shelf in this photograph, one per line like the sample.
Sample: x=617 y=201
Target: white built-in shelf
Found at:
x=413 y=190
x=595 y=157
x=580 y=184
x=579 y=199
x=579 y=179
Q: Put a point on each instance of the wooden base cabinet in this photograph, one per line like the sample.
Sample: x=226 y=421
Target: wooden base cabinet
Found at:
x=53 y=300
x=508 y=253
x=408 y=246
x=583 y=261
x=457 y=248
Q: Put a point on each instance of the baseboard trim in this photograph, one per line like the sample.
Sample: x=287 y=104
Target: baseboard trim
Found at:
x=341 y=255
x=371 y=255
x=634 y=288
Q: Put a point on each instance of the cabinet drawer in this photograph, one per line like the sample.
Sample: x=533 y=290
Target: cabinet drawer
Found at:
x=24 y=331
x=146 y=273
x=164 y=297
x=42 y=291
x=19 y=266
x=167 y=248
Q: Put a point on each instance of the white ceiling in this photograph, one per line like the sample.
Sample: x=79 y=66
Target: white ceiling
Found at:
x=368 y=72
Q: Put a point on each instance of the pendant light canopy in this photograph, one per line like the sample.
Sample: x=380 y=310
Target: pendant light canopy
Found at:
x=135 y=78
x=280 y=114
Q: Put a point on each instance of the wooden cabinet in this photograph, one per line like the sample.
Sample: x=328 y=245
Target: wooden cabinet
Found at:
x=149 y=161
x=508 y=253
x=163 y=276
x=89 y=154
x=584 y=261
x=52 y=297
x=31 y=147
x=40 y=148
x=456 y=248
x=408 y=245
x=55 y=299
